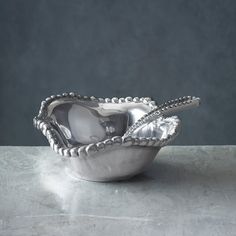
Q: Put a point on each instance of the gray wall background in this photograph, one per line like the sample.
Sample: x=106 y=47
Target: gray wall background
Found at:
x=159 y=48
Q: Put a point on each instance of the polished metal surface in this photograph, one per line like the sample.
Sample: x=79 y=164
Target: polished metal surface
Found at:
x=99 y=135
x=186 y=191
x=81 y=122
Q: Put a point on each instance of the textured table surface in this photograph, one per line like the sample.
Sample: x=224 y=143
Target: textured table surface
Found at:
x=187 y=191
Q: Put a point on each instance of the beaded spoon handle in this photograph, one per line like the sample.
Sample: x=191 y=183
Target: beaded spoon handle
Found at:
x=164 y=109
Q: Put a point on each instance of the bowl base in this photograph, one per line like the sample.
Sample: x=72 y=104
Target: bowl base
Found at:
x=75 y=176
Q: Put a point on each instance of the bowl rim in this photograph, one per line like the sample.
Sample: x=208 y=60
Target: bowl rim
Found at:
x=43 y=124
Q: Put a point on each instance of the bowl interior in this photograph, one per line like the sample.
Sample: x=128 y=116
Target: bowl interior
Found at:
x=81 y=122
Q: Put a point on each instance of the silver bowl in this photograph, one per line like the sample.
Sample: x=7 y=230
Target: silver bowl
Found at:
x=108 y=139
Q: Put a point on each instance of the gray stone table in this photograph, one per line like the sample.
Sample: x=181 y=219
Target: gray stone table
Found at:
x=187 y=191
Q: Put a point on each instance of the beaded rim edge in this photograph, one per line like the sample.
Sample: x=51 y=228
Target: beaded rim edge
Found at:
x=59 y=147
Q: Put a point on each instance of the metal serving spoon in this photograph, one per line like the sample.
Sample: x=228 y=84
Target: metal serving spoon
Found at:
x=164 y=109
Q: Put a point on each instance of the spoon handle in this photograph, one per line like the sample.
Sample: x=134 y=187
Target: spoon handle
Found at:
x=177 y=105
x=164 y=109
